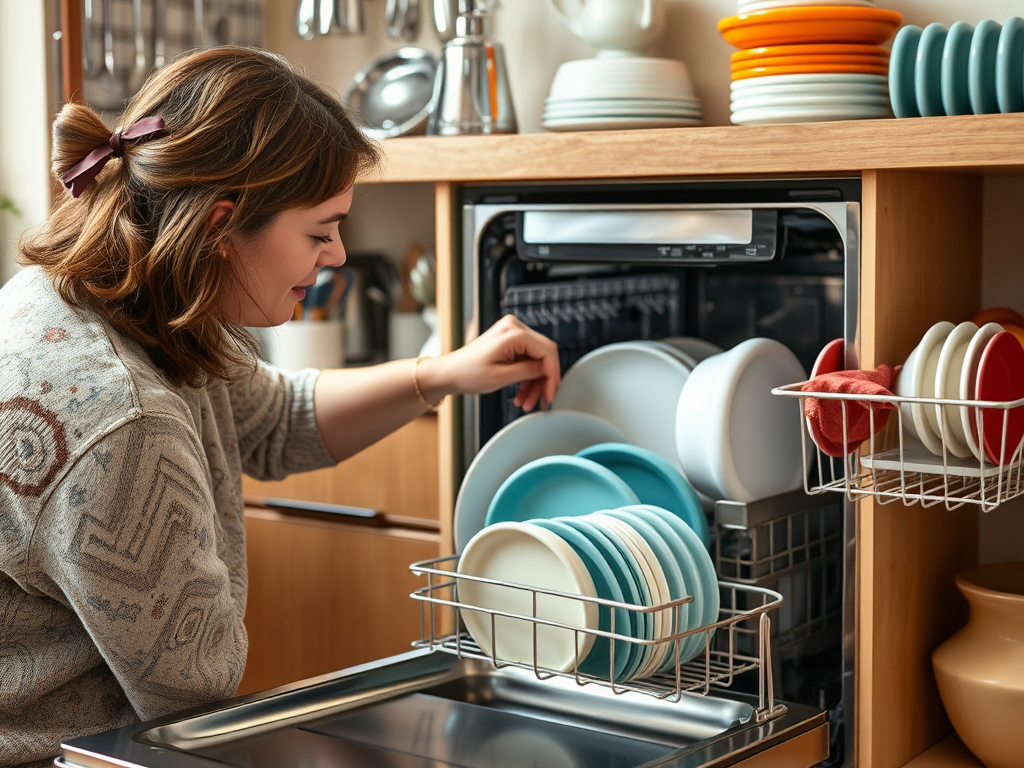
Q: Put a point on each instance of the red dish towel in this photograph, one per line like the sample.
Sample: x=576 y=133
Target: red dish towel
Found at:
x=827 y=415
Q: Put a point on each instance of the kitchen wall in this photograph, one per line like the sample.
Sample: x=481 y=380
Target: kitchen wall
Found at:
x=25 y=116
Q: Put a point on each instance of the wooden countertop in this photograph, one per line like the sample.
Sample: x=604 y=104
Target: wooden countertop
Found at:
x=969 y=143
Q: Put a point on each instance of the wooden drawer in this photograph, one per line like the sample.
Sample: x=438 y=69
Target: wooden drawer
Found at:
x=397 y=476
x=325 y=595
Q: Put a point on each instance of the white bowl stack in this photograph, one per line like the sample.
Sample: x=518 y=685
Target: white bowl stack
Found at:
x=621 y=92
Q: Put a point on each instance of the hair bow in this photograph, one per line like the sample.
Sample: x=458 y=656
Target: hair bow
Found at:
x=78 y=177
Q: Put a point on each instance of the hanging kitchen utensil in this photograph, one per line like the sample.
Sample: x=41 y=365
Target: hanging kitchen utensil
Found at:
x=200 y=38
x=352 y=18
x=401 y=18
x=92 y=66
x=327 y=17
x=444 y=14
x=393 y=92
x=306 y=21
x=140 y=66
x=159 y=33
x=108 y=75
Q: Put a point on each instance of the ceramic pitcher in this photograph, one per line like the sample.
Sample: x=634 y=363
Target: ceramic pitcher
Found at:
x=615 y=27
x=980 y=670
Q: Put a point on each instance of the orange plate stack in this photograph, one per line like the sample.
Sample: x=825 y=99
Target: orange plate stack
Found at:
x=803 y=62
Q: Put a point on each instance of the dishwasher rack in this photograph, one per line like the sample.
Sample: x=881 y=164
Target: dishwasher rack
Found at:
x=737 y=643
x=894 y=465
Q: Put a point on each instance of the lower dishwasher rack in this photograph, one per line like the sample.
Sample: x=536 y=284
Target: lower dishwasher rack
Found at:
x=426 y=709
x=738 y=642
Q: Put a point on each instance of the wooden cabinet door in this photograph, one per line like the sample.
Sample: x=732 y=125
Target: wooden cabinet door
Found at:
x=325 y=595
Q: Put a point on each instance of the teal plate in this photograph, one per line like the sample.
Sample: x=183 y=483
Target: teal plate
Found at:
x=928 y=70
x=981 y=68
x=627 y=573
x=557 y=486
x=1010 y=66
x=653 y=480
x=599 y=661
x=956 y=53
x=902 y=62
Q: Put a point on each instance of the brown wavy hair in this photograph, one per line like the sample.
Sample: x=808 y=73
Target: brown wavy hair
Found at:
x=241 y=125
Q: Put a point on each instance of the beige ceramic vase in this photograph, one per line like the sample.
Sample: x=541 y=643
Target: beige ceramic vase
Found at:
x=980 y=670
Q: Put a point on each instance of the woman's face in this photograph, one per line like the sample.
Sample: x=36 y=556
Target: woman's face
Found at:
x=276 y=265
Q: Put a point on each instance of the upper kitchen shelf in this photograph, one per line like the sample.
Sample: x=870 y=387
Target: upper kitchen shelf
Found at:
x=969 y=143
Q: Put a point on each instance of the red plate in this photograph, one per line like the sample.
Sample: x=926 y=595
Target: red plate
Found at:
x=832 y=358
x=1001 y=379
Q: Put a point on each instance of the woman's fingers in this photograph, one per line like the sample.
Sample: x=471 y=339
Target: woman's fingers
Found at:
x=529 y=395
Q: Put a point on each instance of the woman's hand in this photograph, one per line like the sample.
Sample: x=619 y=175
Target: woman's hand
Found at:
x=506 y=353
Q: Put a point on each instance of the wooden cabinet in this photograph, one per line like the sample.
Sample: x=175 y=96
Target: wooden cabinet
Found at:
x=325 y=595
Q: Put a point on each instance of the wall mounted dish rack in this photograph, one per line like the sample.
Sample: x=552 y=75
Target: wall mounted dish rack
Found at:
x=893 y=465
x=739 y=642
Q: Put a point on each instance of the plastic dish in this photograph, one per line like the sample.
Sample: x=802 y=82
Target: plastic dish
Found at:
x=928 y=70
x=696 y=349
x=981 y=68
x=1003 y=315
x=809 y=59
x=557 y=486
x=782 y=114
x=677 y=588
x=947 y=387
x=653 y=480
x=968 y=383
x=763 y=5
x=923 y=385
x=526 y=439
x=831 y=358
x=811 y=69
x=692 y=582
x=654 y=574
x=817 y=101
x=1010 y=66
x=535 y=557
x=599 y=662
x=817 y=90
x=810 y=49
x=956 y=54
x=810 y=24
x=901 y=71
x=636 y=626
x=631 y=385
x=736 y=440
x=705 y=567
x=801 y=80
x=1001 y=379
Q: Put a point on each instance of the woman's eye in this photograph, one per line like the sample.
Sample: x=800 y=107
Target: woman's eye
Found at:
x=323 y=239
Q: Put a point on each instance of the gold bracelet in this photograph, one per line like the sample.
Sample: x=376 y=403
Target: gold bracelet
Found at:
x=419 y=394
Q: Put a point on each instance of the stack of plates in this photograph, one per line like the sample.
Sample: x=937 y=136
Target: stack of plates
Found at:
x=958 y=70
x=808 y=63
x=620 y=92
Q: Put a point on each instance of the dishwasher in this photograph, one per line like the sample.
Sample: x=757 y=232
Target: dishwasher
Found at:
x=588 y=265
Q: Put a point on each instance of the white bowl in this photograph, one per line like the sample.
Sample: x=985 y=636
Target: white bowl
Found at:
x=536 y=557
x=904 y=387
x=627 y=75
x=735 y=439
x=924 y=385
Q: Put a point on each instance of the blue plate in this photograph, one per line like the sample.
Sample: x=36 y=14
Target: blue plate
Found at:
x=692 y=645
x=557 y=486
x=640 y=625
x=1010 y=66
x=956 y=53
x=677 y=586
x=598 y=661
x=653 y=480
x=928 y=70
x=981 y=68
x=708 y=577
x=902 y=62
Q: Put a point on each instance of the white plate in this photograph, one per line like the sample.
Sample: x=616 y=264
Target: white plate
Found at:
x=968 y=380
x=526 y=439
x=736 y=440
x=947 y=387
x=831 y=79
x=853 y=90
x=632 y=386
x=618 y=123
x=808 y=100
x=923 y=385
x=696 y=349
x=573 y=112
x=623 y=100
x=764 y=5
x=536 y=557
x=807 y=114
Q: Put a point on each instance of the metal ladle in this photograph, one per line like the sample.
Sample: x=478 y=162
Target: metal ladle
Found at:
x=108 y=77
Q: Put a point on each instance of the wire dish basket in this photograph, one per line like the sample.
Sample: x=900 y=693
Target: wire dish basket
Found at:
x=744 y=623
x=894 y=465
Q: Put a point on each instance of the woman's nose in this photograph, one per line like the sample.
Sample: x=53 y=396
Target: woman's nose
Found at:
x=335 y=255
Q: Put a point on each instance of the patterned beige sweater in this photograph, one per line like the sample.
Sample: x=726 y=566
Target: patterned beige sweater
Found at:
x=122 y=540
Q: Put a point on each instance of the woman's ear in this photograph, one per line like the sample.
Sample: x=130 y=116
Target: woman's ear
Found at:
x=217 y=217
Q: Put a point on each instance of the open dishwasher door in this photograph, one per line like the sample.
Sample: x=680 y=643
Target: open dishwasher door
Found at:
x=429 y=709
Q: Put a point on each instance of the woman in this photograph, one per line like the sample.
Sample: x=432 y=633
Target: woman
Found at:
x=131 y=400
